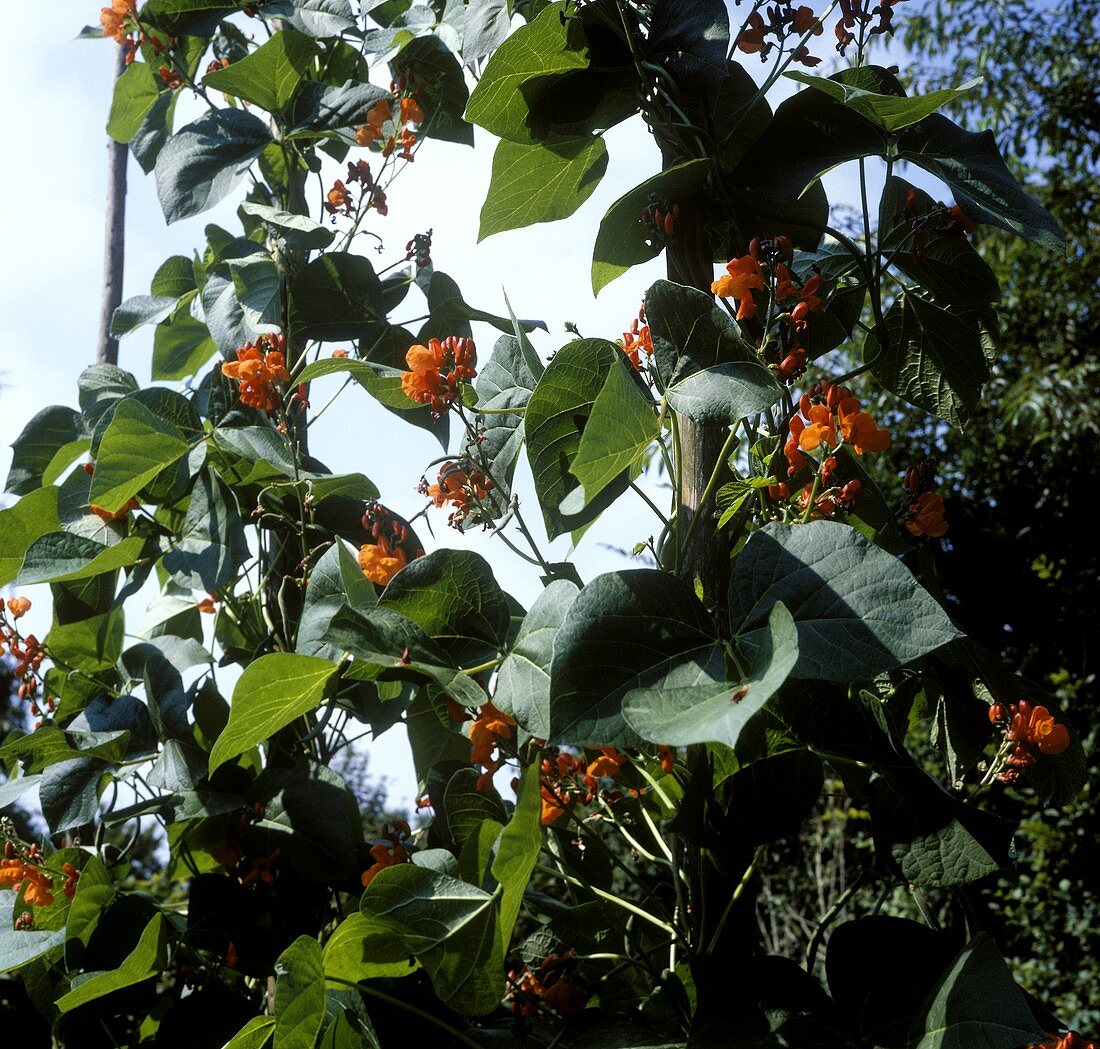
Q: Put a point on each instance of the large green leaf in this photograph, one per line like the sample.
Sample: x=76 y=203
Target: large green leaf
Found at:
x=352 y=952
x=889 y=112
x=540 y=182
x=623 y=629
x=255 y=1034
x=299 y=995
x=66 y=556
x=622 y=426
x=136 y=448
x=45 y=446
x=857 y=609
x=336 y=582
x=144 y=961
x=451 y=927
x=523 y=679
x=203 y=162
x=181 y=345
x=273 y=691
x=934 y=358
x=978 y=1005
x=335 y=297
x=517 y=850
x=556 y=416
x=444 y=93
x=320 y=18
x=622 y=241
x=688 y=705
x=20 y=947
x=972 y=165
x=141 y=310
x=35 y=515
x=454 y=598
x=268 y=76
x=325 y=109
x=689 y=38
x=212 y=545
x=299 y=231
x=549 y=44
x=947 y=266
x=135 y=94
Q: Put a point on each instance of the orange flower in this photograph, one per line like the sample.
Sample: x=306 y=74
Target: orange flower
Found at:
x=795 y=459
x=1036 y=725
x=36 y=883
x=927 y=516
x=384 y=856
x=607 y=764
x=338 y=199
x=804 y=19
x=667 y=755
x=743 y=278
x=751 y=40
x=552 y=807
x=380 y=562
x=377 y=116
x=821 y=430
x=18 y=606
x=436 y=371
x=457 y=487
x=859 y=429
x=411 y=112
x=490 y=726
x=341 y=355
x=635 y=343
x=207 y=605
x=115 y=515
x=72 y=876
x=115 y=19
x=11 y=873
x=258 y=368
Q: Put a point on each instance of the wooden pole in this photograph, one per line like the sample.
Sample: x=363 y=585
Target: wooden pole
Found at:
x=114 y=252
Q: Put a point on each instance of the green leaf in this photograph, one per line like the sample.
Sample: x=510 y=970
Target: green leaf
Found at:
x=517 y=850
x=623 y=629
x=689 y=37
x=858 y=610
x=154 y=130
x=688 y=705
x=934 y=358
x=34 y=516
x=273 y=691
x=20 y=947
x=137 y=447
x=978 y=1005
x=299 y=231
x=66 y=556
x=212 y=545
x=886 y=111
x=466 y=809
x=947 y=266
x=269 y=75
x=324 y=109
x=202 y=163
x=147 y=959
x=53 y=435
x=336 y=582
x=711 y=374
x=321 y=18
x=135 y=94
x=971 y=164
x=622 y=241
x=448 y=925
x=768 y=799
x=138 y=311
x=353 y=950
x=622 y=426
x=523 y=679
x=299 y=995
x=257 y=288
x=181 y=345
x=254 y=1035
x=454 y=598
x=556 y=416
x=101 y=386
x=540 y=182
x=48 y=745
x=334 y=298
x=549 y=44
x=444 y=94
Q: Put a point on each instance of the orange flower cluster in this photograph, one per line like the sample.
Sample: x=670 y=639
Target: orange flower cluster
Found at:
x=170 y=78
x=552 y=987
x=23 y=869
x=862 y=12
x=1028 y=727
x=487 y=730
x=565 y=778
x=383 y=123
x=461 y=486
x=808 y=302
x=26 y=652
x=637 y=341
x=1069 y=1040
x=785 y=20
x=830 y=416
x=208 y=604
x=395 y=847
x=258 y=369
x=338 y=199
x=924 y=516
x=117 y=20
x=380 y=562
x=438 y=370
x=743 y=277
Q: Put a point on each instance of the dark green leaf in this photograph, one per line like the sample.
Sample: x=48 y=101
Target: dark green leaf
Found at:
x=858 y=610
x=268 y=76
x=44 y=447
x=58 y=556
x=181 y=346
x=326 y=109
x=444 y=95
x=203 y=162
x=146 y=959
x=138 y=311
x=212 y=544
x=33 y=516
x=335 y=297
x=299 y=995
